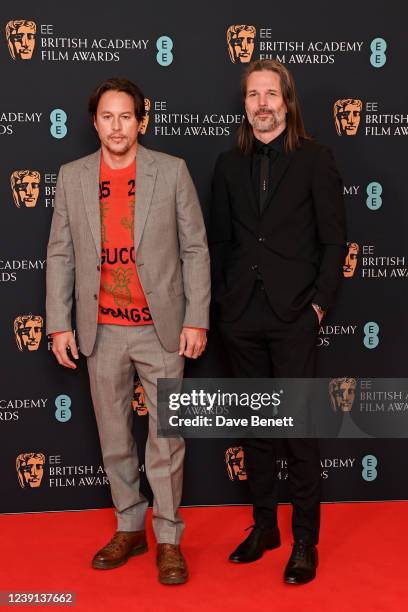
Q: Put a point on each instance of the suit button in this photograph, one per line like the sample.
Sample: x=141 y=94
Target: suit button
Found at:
x=98 y=268
x=95 y=296
x=261 y=239
x=255 y=267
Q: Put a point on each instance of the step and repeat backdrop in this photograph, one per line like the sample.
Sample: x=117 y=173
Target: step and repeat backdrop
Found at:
x=349 y=67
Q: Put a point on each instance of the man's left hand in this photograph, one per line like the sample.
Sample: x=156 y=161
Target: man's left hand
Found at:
x=320 y=313
x=192 y=342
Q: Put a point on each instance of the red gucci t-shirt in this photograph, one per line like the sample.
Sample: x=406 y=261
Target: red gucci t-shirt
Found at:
x=121 y=297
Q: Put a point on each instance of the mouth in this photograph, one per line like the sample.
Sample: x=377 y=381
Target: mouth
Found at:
x=264 y=118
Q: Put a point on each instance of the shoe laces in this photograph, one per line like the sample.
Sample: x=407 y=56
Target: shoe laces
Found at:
x=115 y=543
x=172 y=555
x=299 y=551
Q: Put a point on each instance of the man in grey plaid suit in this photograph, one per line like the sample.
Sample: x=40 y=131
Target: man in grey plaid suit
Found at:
x=136 y=260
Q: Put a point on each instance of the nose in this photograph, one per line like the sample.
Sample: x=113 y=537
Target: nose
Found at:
x=244 y=44
x=116 y=123
x=29 y=189
x=262 y=100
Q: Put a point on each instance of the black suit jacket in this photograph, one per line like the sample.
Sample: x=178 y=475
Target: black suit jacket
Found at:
x=297 y=246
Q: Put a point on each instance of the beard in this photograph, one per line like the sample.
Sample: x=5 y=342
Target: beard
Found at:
x=270 y=123
x=118 y=148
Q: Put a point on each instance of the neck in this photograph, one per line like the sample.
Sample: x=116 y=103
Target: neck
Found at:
x=266 y=137
x=118 y=161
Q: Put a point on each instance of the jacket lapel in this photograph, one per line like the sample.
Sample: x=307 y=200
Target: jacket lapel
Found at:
x=89 y=176
x=243 y=180
x=146 y=173
x=279 y=170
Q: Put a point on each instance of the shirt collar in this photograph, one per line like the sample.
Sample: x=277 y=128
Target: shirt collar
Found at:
x=277 y=144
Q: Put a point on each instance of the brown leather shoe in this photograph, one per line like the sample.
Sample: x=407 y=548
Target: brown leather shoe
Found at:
x=123 y=545
x=171 y=563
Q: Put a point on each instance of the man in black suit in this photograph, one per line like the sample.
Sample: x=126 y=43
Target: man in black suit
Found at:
x=278 y=242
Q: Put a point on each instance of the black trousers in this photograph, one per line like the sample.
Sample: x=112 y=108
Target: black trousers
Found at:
x=260 y=345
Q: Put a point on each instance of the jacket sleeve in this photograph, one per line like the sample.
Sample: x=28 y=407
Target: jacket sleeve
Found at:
x=331 y=225
x=60 y=265
x=193 y=251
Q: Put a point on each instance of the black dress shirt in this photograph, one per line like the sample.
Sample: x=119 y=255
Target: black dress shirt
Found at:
x=264 y=157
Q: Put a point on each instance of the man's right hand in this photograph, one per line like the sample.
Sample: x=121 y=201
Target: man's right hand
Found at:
x=60 y=343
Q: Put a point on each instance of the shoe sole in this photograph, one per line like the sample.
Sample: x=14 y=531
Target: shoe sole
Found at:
x=138 y=550
x=257 y=558
x=298 y=582
x=180 y=580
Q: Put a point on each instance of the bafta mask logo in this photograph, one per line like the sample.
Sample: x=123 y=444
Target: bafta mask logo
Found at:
x=350 y=263
x=28 y=332
x=145 y=121
x=347 y=115
x=30 y=469
x=20 y=34
x=234 y=459
x=138 y=400
x=25 y=187
x=241 y=42
x=342 y=392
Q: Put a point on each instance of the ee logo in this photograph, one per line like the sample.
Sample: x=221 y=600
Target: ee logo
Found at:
x=374 y=199
x=378 y=47
x=63 y=412
x=58 y=118
x=164 y=55
x=371 y=331
x=369 y=463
